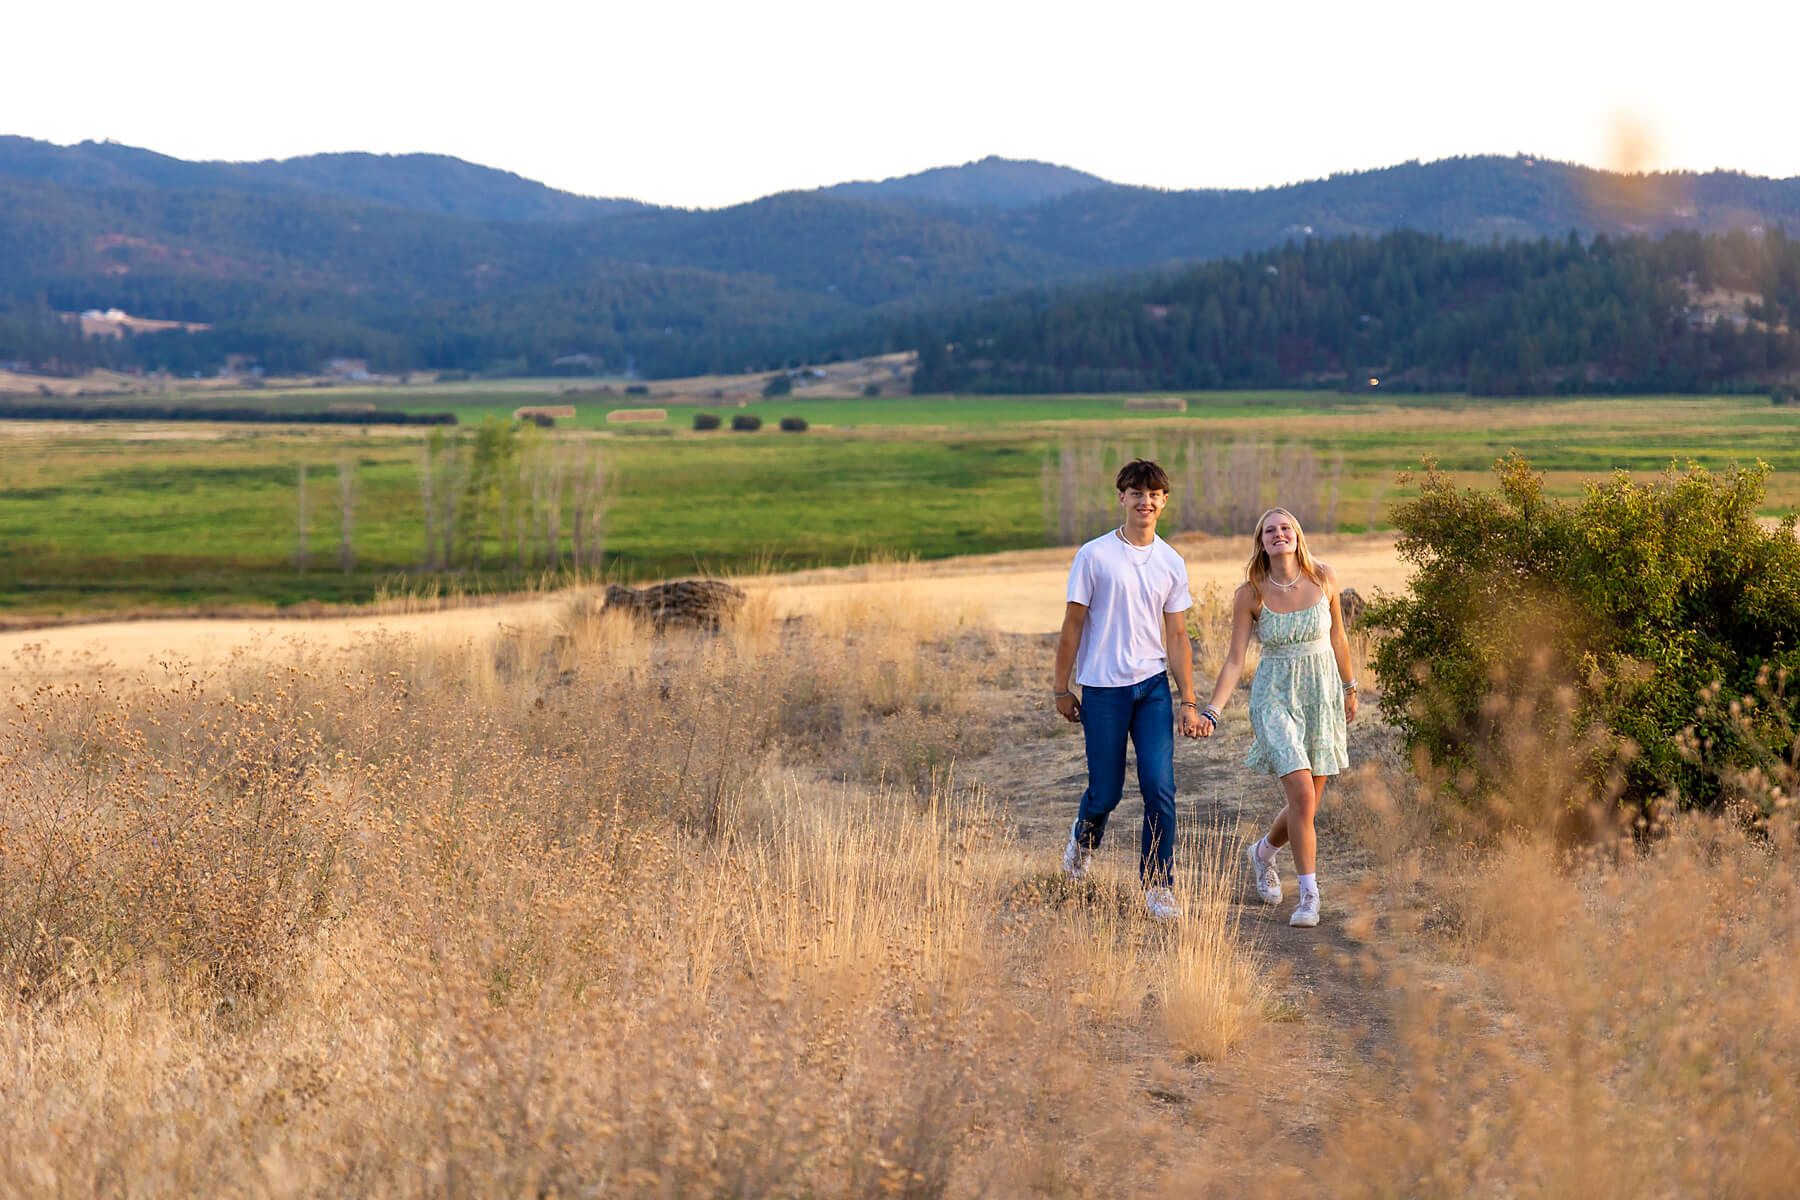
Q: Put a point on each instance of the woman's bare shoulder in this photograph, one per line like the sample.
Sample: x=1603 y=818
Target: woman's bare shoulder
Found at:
x=1326 y=573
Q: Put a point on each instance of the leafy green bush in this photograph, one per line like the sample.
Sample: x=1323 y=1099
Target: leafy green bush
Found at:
x=778 y=385
x=1660 y=620
x=706 y=420
x=746 y=422
x=793 y=424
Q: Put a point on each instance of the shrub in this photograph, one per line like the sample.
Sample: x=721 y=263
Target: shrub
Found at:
x=871 y=389
x=746 y=422
x=793 y=424
x=1783 y=394
x=706 y=420
x=778 y=385
x=1625 y=616
x=637 y=389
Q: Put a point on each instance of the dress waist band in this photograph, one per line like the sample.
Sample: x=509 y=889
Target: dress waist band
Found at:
x=1298 y=649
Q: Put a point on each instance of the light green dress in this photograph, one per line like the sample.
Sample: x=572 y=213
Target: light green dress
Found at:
x=1296 y=699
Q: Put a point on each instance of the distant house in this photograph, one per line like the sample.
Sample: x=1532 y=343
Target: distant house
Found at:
x=117 y=323
x=348 y=368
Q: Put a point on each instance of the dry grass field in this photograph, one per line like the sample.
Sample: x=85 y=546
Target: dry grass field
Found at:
x=556 y=907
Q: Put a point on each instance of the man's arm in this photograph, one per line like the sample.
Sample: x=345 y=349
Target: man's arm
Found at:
x=1074 y=621
x=1180 y=649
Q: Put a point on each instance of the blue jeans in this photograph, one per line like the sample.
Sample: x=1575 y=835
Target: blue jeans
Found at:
x=1144 y=712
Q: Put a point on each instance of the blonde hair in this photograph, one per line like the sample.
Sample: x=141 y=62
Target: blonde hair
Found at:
x=1257 y=570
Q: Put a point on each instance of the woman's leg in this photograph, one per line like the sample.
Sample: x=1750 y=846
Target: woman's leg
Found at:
x=1278 y=832
x=1295 y=824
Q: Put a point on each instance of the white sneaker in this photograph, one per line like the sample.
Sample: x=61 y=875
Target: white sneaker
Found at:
x=1076 y=857
x=1306 y=913
x=1268 y=879
x=1160 y=902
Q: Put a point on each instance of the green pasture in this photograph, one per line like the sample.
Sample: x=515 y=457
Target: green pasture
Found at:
x=99 y=518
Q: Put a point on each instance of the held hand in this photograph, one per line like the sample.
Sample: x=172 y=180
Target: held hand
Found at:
x=1207 y=725
x=1069 y=707
x=1191 y=724
x=1349 y=707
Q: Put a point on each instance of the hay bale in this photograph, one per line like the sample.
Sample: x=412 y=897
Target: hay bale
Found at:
x=1155 y=404
x=698 y=603
x=532 y=412
x=637 y=414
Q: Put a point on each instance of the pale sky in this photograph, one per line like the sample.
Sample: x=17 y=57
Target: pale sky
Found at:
x=707 y=104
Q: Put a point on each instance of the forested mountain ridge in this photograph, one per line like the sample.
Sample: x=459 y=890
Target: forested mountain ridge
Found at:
x=1405 y=311
x=337 y=260
x=991 y=182
x=1474 y=199
x=427 y=183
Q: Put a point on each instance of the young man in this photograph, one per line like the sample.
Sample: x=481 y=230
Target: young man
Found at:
x=1123 y=629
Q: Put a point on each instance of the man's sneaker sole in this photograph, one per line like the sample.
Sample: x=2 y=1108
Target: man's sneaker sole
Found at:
x=1076 y=860
x=1260 y=872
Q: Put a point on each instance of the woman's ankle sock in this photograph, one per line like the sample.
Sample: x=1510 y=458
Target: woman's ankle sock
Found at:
x=1264 y=851
x=1309 y=884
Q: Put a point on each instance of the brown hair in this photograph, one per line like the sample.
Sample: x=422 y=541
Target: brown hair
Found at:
x=1257 y=571
x=1144 y=475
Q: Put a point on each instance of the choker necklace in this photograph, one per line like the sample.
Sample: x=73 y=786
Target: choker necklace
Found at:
x=1286 y=587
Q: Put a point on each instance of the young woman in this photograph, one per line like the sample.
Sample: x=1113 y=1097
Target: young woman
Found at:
x=1302 y=698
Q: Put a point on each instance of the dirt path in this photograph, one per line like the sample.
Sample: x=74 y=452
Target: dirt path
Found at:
x=1020 y=592
x=1330 y=1019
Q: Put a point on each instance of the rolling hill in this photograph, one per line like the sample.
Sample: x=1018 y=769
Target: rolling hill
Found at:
x=427 y=183
x=991 y=182
x=425 y=260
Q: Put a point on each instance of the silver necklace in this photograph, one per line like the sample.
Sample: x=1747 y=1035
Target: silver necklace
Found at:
x=1286 y=587
x=1120 y=534
x=1141 y=559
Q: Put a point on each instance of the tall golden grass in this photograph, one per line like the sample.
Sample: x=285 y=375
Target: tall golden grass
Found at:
x=583 y=911
x=574 y=911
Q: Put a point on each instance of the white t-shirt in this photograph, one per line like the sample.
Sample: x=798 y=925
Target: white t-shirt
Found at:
x=1127 y=590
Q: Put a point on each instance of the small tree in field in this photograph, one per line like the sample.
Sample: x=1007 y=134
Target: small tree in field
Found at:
x=746 y=422
x=1659 y=623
